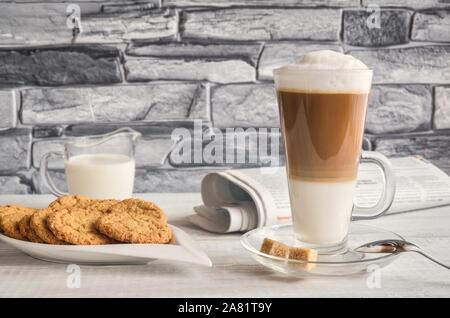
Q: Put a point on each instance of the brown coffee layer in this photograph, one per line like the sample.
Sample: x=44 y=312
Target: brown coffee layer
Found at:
x=323 y=134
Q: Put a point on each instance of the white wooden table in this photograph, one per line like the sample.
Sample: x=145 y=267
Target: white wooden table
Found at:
x=234 y=272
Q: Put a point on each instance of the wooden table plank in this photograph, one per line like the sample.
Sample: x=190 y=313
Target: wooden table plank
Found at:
x=234 y=272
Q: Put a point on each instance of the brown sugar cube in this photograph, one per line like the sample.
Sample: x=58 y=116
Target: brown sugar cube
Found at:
x=274 y=248
x=304 y=254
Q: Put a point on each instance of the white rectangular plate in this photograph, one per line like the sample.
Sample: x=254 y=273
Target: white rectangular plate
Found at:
x=182 y=248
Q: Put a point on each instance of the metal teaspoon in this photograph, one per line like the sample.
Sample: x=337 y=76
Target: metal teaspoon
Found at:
x=395 y=247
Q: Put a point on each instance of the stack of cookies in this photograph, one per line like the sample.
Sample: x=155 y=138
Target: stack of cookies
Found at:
x=79 y=220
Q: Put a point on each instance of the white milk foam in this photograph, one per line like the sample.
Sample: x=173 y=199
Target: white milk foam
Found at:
x=325 y=71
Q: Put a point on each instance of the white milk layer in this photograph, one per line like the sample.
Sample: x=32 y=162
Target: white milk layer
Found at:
x=325 y=71
x=101 y=176
x=321 y=211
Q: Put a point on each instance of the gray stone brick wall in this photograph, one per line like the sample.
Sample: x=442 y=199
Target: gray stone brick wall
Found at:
x=395 y=30
x=261 y=24
x=8 y=109
x=431 y=26
x=158 y=65
x=67 y=66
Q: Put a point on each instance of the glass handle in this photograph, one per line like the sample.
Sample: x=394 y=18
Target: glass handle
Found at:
x=45 y=176
x=387 y=196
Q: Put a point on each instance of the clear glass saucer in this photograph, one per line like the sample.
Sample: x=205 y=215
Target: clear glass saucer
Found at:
x=349 y=262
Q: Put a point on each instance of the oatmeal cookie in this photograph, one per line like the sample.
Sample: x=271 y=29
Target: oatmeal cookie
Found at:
x=76 y=225
x=68 y=201
x=38 y=223
x=135 y=221
x=26 y=230
x=10 y=217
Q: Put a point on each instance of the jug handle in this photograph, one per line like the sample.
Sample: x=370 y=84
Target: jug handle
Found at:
x=45 y=176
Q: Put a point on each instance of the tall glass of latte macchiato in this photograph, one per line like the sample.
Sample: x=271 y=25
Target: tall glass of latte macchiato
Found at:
x=323 y=104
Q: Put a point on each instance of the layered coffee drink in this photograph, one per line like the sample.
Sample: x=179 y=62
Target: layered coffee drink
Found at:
x=323 y=104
